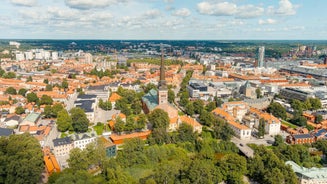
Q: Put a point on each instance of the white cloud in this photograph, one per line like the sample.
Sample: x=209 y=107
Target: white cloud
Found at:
x=154 y=13
x=229 y=9
x=28 y=3
x=285 y=8
x=183 y=12
x=249 y=11
x=268 y=21
x=168 y=1
x=218 y=9
x=89 y=4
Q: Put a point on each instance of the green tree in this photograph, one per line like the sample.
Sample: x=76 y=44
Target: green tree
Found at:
x=159 y=118
x=210 y=106
x=9 y=75
x=299 y=120
x=79 y=120
x=46 y=81
x=189 y=108
x=204 y=171
x=19 y=110
x=46 y=100
x=278 y=140
x=171 y=96
x=198 y=106
x=206 y=118
x=11 y=91
x=141 y=122
x=233 y=167
x=130 y=124
x=22 y=158
x=277 y=110
x=223 y=131
x=105 y=105
x=185 y=133
x=184 y=98
x=119 y=125
x=315 y=103
x=29 y=79
x=136 y=107
x=218 y=101
x=64 y=121
x=31 y=97
x=22 y=91
x=261 y=128
x=48 y=87
x=258 y=92
x=64 y=84
x=318 y=118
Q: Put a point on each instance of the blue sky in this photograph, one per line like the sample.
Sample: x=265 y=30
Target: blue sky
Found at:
x=163 y=19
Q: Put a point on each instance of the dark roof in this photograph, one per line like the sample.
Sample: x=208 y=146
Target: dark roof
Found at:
x=62 y=141
x=302 y=136
x=321 y=132
x=86 y=105
x=6 y=131
x=86 y=96
x=15 y=118
x=97 y=88
x=114 y=84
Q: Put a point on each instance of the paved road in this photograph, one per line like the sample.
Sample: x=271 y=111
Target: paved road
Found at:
x=70 y=102
x=243 y=147
x=103 y=116
x=52 y=135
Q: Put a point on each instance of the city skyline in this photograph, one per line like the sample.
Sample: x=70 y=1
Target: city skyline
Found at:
x=163 y=19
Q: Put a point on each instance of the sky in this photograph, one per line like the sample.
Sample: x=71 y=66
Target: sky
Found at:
x=164 y=19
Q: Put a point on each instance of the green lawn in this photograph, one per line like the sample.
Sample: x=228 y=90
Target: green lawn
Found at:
x=63 y=135
x=289 y=124
x=140 y=172
x=99 y=128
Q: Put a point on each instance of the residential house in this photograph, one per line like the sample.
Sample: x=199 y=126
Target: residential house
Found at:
x=62 y=146
x=12 y=121
x=119 y=139
x=83 y=139
x=300 y=138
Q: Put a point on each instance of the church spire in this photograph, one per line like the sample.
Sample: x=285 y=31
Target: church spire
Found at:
x=162 y=82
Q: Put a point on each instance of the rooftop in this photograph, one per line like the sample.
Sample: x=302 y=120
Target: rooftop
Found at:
x=62 y=141
x=312 y=173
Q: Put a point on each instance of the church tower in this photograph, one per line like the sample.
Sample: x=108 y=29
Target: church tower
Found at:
x=163 y=91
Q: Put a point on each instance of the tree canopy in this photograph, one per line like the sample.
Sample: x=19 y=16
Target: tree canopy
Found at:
x=21 y=159
x=80 y=122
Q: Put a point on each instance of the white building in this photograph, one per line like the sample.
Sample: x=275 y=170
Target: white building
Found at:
x=55 y=55
x=20 y=56
x=241 y=131
x=47 y=55
x=62 y=146
x=88 y=58
x=81 y=140
x=29 y=55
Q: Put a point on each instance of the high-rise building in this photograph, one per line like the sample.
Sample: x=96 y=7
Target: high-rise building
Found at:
x=88 y=58
x=55 y=55
x=29 y=55
x=20 y=56
x=325 y=60
x=261 y=57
